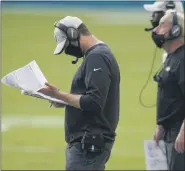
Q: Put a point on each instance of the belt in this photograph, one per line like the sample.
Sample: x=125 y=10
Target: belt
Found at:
x=78 y=140
x=78 y=145
x=75 y=137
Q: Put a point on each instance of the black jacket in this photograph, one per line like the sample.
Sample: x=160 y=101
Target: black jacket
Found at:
x=98 y=80
x=170 y=97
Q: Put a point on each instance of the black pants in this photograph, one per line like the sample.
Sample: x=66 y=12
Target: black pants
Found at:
x=77 y=159
x=175 y=160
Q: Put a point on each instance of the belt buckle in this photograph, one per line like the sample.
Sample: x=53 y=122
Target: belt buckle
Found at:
x=94 y=149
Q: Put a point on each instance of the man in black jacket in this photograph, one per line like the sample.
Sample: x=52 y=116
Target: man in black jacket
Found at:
x=169 y=35
x=92 y=113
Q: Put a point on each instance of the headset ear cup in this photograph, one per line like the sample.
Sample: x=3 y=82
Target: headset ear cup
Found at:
x=176 y=30
x=170 y=5
x=72 y=34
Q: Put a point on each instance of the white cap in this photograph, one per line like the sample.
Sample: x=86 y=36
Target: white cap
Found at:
x=161 y=6
x=157 y=6
x=60 y=36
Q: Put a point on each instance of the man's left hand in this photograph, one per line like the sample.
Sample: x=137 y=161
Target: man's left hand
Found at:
x=57 y=105
x=49 y=90
x=179 y=143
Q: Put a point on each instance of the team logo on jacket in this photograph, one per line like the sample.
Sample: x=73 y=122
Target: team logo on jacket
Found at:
x=167 y=69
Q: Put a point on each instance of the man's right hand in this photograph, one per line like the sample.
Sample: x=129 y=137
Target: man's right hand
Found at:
x=159 y=134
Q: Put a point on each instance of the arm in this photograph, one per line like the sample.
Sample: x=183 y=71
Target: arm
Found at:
x=182 y=128
x=180 y=75
x=159 y=133
x=70 y=99
x=179 y=143
x=52 y=91
x=97 y=81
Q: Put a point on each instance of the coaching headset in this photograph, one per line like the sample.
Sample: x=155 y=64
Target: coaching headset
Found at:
x=157 y=15
x=170 y=5
x=176 y=29
x=71 y=33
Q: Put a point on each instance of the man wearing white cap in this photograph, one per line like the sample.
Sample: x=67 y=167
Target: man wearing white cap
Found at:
x=92 y=113
x=169 y=35
x=158 y=10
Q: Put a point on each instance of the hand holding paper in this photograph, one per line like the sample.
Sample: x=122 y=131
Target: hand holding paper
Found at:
x=57 y=105
x=49 y=90
x=155 y=155
x=30 y=80
x=52 y=91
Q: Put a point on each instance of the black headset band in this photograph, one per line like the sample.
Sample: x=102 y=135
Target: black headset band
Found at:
x=175 y=20
x=71 y=32
x=61 y=27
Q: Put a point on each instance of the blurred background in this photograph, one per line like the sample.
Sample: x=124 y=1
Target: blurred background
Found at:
x=32 y=133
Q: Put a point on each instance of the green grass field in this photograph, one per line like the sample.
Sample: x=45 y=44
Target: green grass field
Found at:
x=27 y=37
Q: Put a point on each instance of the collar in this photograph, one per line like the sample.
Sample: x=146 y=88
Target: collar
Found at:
x=178 y=49
x=93 y=47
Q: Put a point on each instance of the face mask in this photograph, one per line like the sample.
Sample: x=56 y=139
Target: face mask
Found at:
x=158 y=39
x=74 y=49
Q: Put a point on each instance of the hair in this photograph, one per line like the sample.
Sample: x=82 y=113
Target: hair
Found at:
x=83 y=30
x=180 y=19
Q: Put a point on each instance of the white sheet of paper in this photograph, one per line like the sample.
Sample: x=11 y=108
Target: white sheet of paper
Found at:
x=155 y=156
x=10 y=80
x=28 y=78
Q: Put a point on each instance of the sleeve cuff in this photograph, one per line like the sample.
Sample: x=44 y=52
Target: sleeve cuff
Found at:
x=88 y=104
x=83 y=102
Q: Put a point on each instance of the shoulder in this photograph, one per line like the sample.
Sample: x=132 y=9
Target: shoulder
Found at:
x=180 y=54
x=100 y=54
x=180 y=59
